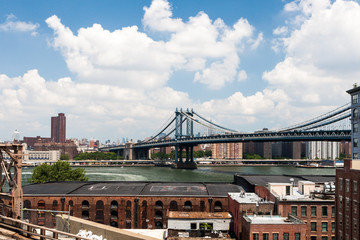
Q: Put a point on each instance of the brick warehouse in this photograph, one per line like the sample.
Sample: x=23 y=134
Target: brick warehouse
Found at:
x=124 y=204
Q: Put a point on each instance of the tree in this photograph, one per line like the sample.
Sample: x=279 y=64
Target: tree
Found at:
x=64 y=157
x=60 y=171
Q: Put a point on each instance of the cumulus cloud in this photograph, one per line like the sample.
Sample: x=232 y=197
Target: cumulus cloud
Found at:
x=322 y=54
x=31 y=97
x=13 y=25
x=128 y=57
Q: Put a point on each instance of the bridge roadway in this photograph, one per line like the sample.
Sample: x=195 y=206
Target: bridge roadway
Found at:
x=323 y=135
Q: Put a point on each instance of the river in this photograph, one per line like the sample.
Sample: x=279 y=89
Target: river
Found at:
x=202 y=174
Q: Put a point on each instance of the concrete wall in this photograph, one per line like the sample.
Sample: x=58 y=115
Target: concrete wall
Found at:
x=185 y=224
x=110 y=233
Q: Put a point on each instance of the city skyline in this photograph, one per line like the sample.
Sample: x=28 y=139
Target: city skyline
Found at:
x=119 y=69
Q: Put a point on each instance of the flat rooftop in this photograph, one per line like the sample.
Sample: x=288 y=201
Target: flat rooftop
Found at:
x=122 y=188
x=245 y=197
x=263 y=180
x=199 y=215
x=270 y=219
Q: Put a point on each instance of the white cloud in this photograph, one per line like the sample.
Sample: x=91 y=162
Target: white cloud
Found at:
x=322 y=55
x=13 y=25
x=130 y=58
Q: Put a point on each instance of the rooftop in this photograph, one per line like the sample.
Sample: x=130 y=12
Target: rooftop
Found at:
x=130 y=189
x=244 y=197
x=271 y=219
x=199 y=215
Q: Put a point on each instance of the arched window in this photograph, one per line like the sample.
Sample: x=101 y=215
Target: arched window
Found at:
x=85 y=204
x=55 y=203
x=218 y=206
x=41 y=215
x=71 y=203
x=144 y=214
x=173 y=206
x=99 y=205
x=114 y=214
x=27 y=214
x=158 y=225
x=99 y=216
x=71 y=206
x=128 y=203
x=158 y=215
x=187 y=206
x=202 y=206
x=85 y=215
x=144 y=203
x=128 y=213
x=114 y=204
x=355 y=113
x=159 y=205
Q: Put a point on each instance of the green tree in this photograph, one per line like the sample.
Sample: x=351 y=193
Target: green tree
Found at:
x=64 y=157
x=60 y=171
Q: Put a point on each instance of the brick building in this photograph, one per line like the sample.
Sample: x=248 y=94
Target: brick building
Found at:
x=272 y=227
x=68 y=147
x=242 y=204
x=58 y=128
x=227 y=150
x=309 y=198
x=348 y=200
x=124 y=204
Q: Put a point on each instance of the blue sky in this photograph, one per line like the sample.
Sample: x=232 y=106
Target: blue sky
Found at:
x=120 y=68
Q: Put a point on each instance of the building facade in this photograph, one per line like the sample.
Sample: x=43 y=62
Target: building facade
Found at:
x=347 y=201
x=227 y=150
x=58 y=128
x=143 y=205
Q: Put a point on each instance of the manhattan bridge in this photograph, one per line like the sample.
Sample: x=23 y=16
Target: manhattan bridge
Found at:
x=179 y=131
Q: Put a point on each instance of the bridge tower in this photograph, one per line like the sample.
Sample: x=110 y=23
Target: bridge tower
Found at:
x=10 y=166
x=189 y=162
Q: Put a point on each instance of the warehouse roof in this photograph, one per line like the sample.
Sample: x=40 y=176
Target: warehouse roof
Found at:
x=131 y=189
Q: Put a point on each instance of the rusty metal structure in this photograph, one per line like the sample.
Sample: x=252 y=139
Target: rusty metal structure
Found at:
x=11 y=173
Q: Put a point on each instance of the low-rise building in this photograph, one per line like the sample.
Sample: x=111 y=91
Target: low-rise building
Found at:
x=41 y=156
x=272 y=227
x=198 y=224
x=247 y=203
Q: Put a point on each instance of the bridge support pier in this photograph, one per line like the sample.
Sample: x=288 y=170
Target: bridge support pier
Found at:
x=189 y=162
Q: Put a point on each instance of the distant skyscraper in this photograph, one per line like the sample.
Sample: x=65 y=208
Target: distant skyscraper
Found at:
x=58 y=128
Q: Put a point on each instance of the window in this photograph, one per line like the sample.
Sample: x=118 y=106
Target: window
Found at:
x=275 y=236
x=265 y=236
x=114 y=204
x=297 y=236
x=218 y=206
x=313 y=226
x=99 y=205
x=356 y=113
x=324 y=238
x=202 y=206
x=355 y=225
x=340 y=184
x=255 y=236
x=354 y=99
x=85 y=204
x=313 y=211
x=303 y=211
x=355 y=127
x=294 y=210
x=324 y=211
x=347 y=185
x=340 y=202
x=333 y=226
x=193 y=226
x=187 y=205
x=355 y=156
x=287 y=190
x=355 y=204
x=355 y=187
x=324 y=226
x=333 y=211
x=173 y=206
x=313 y=238
x=355 y=142
x=286 y=236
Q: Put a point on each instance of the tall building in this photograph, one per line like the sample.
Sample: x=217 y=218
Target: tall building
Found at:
x=348 y=179
x=58 y=128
